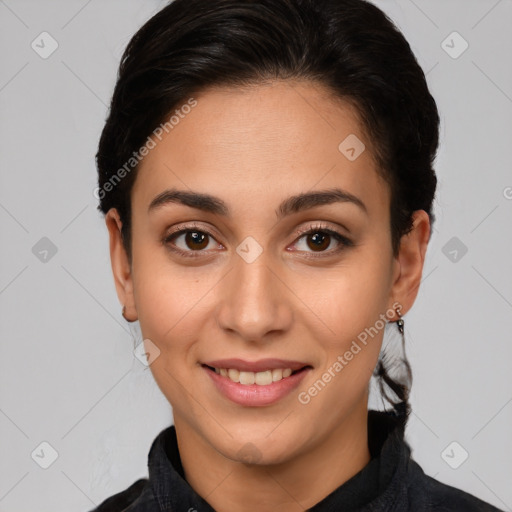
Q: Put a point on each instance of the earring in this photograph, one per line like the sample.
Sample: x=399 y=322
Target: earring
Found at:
x=403 y=408
x=124 y=314
x=400 y=323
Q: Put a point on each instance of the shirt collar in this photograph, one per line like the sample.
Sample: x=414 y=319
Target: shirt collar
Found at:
x=378 y=484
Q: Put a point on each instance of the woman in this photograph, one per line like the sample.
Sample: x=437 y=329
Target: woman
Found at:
x=266 y=174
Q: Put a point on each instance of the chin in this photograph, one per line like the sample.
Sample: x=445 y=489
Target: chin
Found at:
x=276 y=448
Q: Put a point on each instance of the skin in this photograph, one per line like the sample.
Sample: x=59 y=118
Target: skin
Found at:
x=253 y=148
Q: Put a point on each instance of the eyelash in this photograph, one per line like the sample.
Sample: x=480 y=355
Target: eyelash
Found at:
x=317 y=228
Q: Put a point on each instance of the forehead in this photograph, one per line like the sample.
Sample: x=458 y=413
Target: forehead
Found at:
x=262 y=142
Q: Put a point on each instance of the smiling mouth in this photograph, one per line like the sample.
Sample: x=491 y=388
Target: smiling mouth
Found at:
x=262 y=378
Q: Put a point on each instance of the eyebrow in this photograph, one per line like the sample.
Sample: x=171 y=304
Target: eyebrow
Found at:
x=293 y=204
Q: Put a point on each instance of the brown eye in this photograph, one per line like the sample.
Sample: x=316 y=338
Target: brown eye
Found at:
x=196 y=240
x=186 y=242
x=319 y=241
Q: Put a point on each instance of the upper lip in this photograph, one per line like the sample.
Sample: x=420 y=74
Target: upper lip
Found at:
x=255 y=366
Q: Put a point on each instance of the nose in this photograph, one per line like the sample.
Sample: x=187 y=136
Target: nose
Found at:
x=254 y=303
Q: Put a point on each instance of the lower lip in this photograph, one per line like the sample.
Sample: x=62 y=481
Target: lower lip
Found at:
x=254 y=395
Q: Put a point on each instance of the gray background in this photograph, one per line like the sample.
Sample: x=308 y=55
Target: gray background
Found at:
x=68 y=375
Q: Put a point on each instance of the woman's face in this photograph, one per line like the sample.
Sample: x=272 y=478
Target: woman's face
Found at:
x=244 y=282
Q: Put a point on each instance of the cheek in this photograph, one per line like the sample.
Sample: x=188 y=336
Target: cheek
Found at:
x=165 y=293
x=351 y=297
x=354 y=306
x=174 y=309
x=169 y=318
x=167 y=306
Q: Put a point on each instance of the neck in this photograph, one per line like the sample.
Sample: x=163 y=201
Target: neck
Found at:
x=296 y=484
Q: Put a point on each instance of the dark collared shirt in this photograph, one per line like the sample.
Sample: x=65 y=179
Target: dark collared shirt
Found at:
x=392 y=481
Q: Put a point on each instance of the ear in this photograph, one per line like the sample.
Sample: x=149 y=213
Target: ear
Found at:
x=121 y=268
x=409 y=262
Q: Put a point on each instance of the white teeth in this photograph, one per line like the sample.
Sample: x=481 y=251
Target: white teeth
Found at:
x=260 y=378
x=247 y=378
x=263 y=378
x=234 y=375
x=277 y=374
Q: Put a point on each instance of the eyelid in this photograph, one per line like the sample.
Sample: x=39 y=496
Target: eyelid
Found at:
x=189 y=226
x=320 y=226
